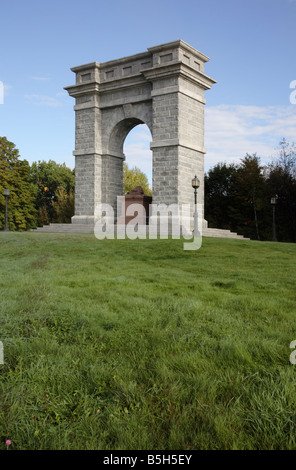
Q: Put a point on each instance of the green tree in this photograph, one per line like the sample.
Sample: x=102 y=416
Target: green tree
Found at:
x=49 y=177
x=249 y=198
x=235 y=198
x=63 y=205
x=238 y=196
x=15 y=175
x=133 y=177
x=219 y=182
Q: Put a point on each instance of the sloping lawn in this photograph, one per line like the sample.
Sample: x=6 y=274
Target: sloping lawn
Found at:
x=121 y=344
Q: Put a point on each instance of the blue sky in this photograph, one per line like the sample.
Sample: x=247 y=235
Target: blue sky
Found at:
x=252 y=50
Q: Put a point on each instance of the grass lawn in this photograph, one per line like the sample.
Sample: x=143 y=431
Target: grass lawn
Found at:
x=121 y=344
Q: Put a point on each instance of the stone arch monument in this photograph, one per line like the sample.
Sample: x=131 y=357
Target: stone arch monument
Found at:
x=163 y=88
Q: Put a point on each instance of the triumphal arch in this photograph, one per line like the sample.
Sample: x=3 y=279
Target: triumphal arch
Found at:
x=162 y=88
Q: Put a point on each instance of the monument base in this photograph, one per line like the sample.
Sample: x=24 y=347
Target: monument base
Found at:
x=89 y=227
x=83 y=220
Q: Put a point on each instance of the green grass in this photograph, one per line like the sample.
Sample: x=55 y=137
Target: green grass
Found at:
x=122 y=344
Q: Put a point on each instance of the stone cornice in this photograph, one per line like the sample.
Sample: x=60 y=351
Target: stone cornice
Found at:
x=165 y=60
x=82 y=89
x=179 y=44
x=179 y=143
x=91 y=65
x=178 y=68
x=152 y=74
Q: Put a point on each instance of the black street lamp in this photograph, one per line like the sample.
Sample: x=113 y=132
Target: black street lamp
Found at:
x=195 y=185
x=273 y=203
x=6 y=194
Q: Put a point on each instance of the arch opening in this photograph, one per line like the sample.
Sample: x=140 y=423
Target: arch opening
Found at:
x=119 y=133
x=136 y=148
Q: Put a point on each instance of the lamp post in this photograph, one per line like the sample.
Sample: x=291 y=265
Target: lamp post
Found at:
x=273 y=203
x=6 y=194
x=195 y=185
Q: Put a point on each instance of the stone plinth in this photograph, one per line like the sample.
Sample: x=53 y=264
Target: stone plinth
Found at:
x=136 y=196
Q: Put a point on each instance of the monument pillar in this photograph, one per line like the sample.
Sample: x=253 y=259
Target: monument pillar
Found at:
x=178 y=121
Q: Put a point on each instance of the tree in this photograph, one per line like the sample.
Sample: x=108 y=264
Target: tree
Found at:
x=281 y=182
x=238 y=196
x=219 y=182
x=249 y=197
x=15 y=175
x=49 y=177
x=134 y=177
x=235 y=197
x=287 y=158
x=63 y=205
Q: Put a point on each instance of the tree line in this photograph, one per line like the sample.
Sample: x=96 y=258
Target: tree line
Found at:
x=238 y=196
x=43 y=192
x=39 y=193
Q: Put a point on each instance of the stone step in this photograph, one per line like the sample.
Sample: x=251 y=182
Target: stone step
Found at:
x=221 y=233
x=65 y=228
x=84 y=228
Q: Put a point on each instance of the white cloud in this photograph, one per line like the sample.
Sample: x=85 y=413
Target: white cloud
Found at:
x=39 y=79
x=231 y=131
x=43 y=100
x=138 y=155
